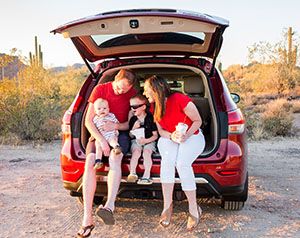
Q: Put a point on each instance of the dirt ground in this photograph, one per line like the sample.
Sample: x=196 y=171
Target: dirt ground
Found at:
x=33 y=202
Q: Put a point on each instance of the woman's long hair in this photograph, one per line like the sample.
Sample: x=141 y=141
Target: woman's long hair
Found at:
x=161 y=91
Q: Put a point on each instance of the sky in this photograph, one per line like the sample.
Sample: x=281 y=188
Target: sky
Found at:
x=251 y=21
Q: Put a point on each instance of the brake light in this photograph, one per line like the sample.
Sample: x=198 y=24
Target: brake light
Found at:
x=236 y=122
x=67 y=117
x=66 y=129
x=66 y=125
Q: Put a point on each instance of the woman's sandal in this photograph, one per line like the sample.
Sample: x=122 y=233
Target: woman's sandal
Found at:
x=106 y=215
x=193 y=222
x=83 y=229
x=165 y=218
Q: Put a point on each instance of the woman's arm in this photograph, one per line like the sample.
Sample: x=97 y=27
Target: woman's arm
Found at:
x=192 y=112
x=89 y=124
x=162 y=132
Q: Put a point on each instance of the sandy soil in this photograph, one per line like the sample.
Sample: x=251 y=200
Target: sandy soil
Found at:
x=33 y=202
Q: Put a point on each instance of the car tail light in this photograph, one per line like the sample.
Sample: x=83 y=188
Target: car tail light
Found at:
x=65 y=129
x=66 y=125
x=236 y=122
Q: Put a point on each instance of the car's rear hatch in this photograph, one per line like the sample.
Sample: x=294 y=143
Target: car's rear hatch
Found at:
x=145 y=32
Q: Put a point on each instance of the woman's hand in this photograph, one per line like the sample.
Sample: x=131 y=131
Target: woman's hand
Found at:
x=178 y=137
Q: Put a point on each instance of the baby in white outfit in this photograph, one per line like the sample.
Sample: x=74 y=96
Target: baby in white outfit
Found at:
x=103 y=115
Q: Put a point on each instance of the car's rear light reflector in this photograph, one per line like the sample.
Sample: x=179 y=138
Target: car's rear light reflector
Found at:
x=228 y=172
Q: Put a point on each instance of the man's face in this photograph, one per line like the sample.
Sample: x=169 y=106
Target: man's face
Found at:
x=121 y=86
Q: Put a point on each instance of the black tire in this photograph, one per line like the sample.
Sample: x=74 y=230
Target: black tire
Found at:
x=232 y=205
x=235 y=203
x=179 y=196
x=97 y=200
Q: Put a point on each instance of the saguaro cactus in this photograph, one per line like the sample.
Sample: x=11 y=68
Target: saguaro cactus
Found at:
x=37 y=58
x=292 y=51
x=291 y=59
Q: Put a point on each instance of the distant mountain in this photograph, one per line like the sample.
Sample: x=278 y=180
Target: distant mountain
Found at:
x=11 y=69
x=63 y=68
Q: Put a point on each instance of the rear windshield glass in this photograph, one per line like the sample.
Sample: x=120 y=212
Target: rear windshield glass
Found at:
x=104 y=41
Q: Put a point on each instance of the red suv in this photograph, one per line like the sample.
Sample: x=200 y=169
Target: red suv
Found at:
x=182 y=47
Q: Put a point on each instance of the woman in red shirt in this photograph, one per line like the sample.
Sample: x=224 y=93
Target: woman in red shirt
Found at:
x=178 y=148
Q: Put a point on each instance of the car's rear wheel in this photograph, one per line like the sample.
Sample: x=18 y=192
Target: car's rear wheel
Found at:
x=235 y=203
x=232 y=205
x=97 y=200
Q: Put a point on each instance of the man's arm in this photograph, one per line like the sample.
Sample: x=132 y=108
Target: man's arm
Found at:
x=118 y=126
x=89 y=124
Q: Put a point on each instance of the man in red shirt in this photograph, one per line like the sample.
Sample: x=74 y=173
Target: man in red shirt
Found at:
x=117 y=93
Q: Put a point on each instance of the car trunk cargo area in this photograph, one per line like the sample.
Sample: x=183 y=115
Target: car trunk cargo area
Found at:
x=186 y=79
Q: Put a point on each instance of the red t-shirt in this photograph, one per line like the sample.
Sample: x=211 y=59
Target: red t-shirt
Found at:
x=174 y=114
x=118 y=104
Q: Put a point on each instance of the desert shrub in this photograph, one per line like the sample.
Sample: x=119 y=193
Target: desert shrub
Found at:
x=296 y=106
x=31 y=107
x=29 y=116
x=277 y=120
x=254 y=126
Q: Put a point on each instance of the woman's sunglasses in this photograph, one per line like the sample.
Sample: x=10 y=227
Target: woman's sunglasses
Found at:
x=136 y=106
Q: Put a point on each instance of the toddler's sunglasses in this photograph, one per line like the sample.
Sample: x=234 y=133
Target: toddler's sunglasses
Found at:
x=136 y=106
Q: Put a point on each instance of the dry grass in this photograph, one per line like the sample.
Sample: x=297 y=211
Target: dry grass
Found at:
x=277 y=119
x=32 y=106
x=295 y=106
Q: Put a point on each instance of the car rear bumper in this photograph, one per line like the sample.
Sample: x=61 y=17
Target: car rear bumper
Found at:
x=206 y=187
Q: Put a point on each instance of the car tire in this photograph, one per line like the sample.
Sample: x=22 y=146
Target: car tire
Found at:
x=97 y=200
x=232 y=205
x=235 y=203
x=179 y=196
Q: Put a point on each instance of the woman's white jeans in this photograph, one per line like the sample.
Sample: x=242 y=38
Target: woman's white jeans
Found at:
x=180 y=156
